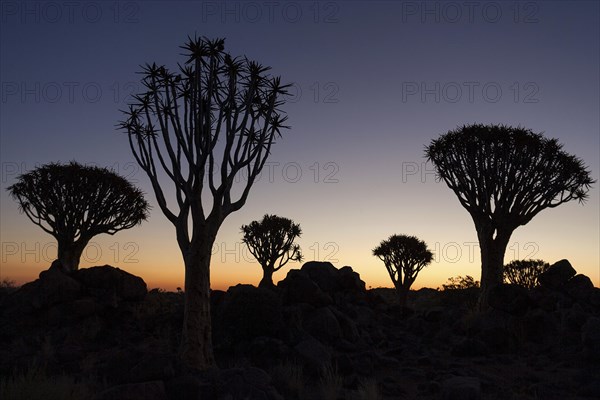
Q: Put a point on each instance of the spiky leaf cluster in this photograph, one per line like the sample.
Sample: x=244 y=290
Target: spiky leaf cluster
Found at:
x=507 y=175
x=525 y=272
x=404 y=257
x=213 y=118
x=74 y=201
x=272 y=239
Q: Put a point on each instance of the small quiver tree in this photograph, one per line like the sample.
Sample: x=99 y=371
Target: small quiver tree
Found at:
x=404 y=257
x=271 y=242
x=525 y=272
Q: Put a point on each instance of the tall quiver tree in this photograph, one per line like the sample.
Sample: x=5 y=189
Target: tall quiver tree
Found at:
x=504 y=176
x=74 y=203
x=208 y=128
x=404 y=257
x=271 y=242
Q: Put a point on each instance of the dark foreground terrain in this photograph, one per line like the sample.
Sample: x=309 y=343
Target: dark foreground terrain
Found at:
x=319 y=335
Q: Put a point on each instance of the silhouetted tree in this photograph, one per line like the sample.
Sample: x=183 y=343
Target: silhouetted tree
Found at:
x=271 y=242
x=209 y=128
x=74 y=203
x=404 y=257
x=505 y=176
x=460 y=282
x=525 y=272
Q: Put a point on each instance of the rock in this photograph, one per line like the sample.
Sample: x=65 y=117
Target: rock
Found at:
x=146 y=390
x=153 y=367
x=461 y=388
x=248 y=312
x=590 y=337
x=579 y=287
x=190 y=387
x=298 y=287
x=557 y=275
x=109 y=281
x=350 y=281
x=323 y=325
x=323 y=274
x=540 y=327
x=313 y=354
x=512 y=299
x=470 y=347
x=246 y=383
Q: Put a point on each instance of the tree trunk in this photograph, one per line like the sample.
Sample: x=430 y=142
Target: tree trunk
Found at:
x=69 y=254
x=402 y=293
x=267 y=279
x=196 y=350
x=492 y=265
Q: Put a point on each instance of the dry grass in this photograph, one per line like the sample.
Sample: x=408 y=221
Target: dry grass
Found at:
x=368 y=389
x=288 y=377
x=331 y=383
x=35 y=384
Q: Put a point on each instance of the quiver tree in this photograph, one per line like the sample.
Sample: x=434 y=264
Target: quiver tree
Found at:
x=74 y=203
x=404 y=257
x=271 y=242
x=504 y=176
x=525 y=272
x=207 y=127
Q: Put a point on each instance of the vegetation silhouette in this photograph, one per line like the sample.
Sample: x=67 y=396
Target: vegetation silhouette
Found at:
x=504 y=176
x=404 y=257
x=271 y=242
x=525 y=272
x=204 y=125
x=460 y=282
x=74 y=203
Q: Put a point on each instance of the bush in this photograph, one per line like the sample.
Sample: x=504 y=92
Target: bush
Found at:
x=525 y=272
x=459 y=282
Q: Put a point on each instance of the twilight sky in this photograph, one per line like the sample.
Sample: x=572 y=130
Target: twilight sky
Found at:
x=374 y=82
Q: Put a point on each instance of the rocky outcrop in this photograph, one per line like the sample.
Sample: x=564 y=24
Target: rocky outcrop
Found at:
x=318 y=334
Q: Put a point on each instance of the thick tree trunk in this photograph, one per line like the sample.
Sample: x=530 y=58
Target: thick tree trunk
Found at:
x=402 y=293
x=196 y=350
x=267 y=279
x=69 y=254
x=492 y=265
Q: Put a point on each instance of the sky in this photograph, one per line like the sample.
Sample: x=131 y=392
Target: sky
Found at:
x=372 y=84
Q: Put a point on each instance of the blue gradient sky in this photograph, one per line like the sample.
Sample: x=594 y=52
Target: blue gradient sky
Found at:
x=374 y=82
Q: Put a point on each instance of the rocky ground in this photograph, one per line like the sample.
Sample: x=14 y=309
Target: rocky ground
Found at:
x=319 y=335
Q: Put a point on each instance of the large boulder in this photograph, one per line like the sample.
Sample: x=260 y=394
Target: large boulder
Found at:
x=319 y=284
x=111 y=281
x=53 y=287
x=512 y=299
x=557 y=275
x=298 y=287
x=248 y=312
x=580 y=287
x=323 y=325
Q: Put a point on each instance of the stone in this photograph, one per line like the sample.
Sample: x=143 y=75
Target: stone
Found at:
x=112 y=281
x=461 y=388
x=579 y=287
x=248 y=312
x=154 y=390
x=512 y=299
x=590 y=337
x=323 y=274
x=314 y=354
x=323 y=325
x=153 y=367
x=557 y=275
x=298 y=287
x=190 y=387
